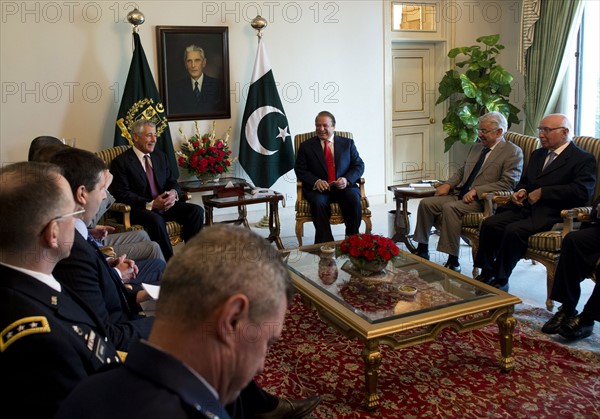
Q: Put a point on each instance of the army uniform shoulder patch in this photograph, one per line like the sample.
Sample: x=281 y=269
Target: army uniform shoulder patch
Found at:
x=21 y=328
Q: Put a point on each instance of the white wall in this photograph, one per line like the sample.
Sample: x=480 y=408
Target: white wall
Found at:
x=64 y=65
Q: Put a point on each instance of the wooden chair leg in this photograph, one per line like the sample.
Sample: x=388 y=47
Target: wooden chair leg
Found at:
x=299 y=232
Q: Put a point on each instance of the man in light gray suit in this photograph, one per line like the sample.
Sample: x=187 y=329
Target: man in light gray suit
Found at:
x=492 y=164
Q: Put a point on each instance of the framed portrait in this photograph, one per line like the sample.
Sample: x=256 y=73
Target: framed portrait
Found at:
x=193 y=72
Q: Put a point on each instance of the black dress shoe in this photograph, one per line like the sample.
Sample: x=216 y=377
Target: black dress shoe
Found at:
x=455 y=268
x=291 y=409
x=551 y=326
x=424 y=255
x=497 y=283
x=574 y=329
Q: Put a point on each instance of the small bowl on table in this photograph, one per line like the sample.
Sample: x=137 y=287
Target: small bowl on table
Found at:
x=407 y=290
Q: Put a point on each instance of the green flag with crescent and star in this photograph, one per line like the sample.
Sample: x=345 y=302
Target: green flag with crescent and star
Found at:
x=266 y=150
x=141 y=100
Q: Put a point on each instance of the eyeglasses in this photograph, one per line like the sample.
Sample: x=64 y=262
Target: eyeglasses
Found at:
x=71 y=214
x=546 y=130
x=62 y=217
x=485 y=131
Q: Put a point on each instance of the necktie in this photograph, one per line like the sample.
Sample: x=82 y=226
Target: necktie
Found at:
x=92 y=241
x=113 y=274
x=196 y=91
x=150 y=176
x=551 y=157
x=465 y=188
x=329 y=161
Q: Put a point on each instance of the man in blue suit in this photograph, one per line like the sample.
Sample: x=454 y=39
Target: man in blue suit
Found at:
x=559 y=175
x=152 y=204
x=324 y=183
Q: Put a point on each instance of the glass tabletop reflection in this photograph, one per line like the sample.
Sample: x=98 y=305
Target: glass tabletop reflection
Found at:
x=406 y=287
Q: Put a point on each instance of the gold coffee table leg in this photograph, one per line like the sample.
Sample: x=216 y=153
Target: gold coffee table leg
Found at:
x=506 y=326
x=372 y=359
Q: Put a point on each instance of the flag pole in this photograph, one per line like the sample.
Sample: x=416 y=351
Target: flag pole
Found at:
x=258 y=24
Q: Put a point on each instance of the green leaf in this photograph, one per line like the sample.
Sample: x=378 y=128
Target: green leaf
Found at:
x=469 y=114
x=500 y=76
x=468 y=87
x=460 y=50
x=449 y=85
x=504 y=90
x=449 y=142
x=489 y=40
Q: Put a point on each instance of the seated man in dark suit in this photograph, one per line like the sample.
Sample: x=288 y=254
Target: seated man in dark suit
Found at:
x=579 y=253
x=50 y=340
x=135 y=244
x=329 y=168
x=559 y=175
x=492 y=164
x=112 y=287
x=198 y=93
x=143 y=180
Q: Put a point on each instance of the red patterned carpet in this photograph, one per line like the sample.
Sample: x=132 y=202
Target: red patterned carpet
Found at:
x=456 y=376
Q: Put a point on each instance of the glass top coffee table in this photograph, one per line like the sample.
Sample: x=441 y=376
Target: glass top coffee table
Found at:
x=407 y=304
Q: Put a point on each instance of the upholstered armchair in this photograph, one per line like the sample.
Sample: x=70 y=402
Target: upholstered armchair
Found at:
x=119 y=214
x=303 y=214
x=544 y=247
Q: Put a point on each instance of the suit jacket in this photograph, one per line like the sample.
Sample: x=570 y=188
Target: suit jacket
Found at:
x=567 y=183
x=501 y=170
x=164 y=388
x=130 y=184
x=311 y=166
x=183 y=100
x=50 y=342
x=86 y=273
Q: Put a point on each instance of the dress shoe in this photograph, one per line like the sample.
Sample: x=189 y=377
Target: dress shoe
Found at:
x=455 y=268
x=291 y=409
x=574 y=329
x=497 y=283
x=424 y=255
x=551 y=326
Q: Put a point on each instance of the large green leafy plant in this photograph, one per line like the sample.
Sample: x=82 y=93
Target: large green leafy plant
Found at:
x=483 y=87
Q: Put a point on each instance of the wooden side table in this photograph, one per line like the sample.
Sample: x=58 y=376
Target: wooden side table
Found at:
x=402 y=194
x=213 y=201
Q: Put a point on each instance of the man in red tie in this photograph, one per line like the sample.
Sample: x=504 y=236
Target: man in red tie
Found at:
x=143 y=180
x=329 y=168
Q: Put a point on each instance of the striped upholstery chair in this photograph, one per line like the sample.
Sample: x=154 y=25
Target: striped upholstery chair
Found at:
x=119 y=215
x=472 y=221
x=545 y=247
x=303 y=214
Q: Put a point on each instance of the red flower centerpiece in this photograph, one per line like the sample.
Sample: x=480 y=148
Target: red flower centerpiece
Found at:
x=205 y=156
x=369 y=253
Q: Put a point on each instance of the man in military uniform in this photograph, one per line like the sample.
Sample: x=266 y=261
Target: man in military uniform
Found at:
x=50 y=340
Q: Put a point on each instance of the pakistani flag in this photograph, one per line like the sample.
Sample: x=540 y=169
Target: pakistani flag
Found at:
x=141 y=100
x=266 y=150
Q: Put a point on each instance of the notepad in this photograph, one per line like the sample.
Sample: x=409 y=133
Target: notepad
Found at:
x=152 y=290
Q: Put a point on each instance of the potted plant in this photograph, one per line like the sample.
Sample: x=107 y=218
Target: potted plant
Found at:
x=483 y=87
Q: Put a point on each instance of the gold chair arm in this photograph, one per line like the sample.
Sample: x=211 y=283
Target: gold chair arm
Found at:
x=299 y=191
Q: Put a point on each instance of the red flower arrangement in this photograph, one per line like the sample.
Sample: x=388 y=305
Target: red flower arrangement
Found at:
x=205 y=154
x=369 y=247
